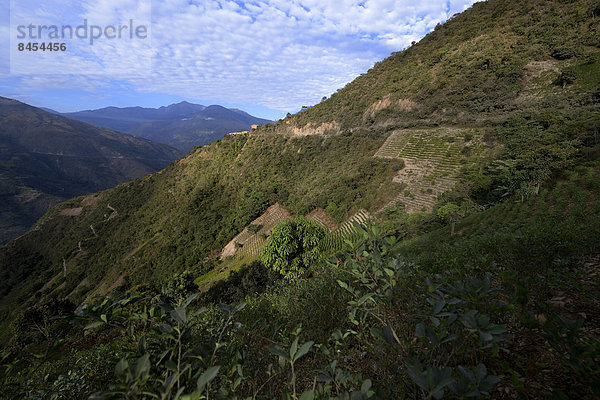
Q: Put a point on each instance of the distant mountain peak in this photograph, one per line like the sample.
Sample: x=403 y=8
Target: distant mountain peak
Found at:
x=54 y=157
x=182 y=125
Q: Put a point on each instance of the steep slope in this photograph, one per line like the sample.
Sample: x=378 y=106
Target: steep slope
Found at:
x=182 y=125
x=487 y=85
x=46 y=158
x=495 y=116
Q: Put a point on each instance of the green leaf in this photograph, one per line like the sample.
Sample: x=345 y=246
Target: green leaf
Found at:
x=439 y=305
x=190 y=298
x=142 y=345
x=179 y=393
x=225 y=308
x=293 y=349
x=365 y=298
x=142 y=366
x=303 y=350
x=417 y=376
x=200 y=311
x=239 y=307
x=278 y=351
x=388 y=334
x=420 y=329
x=486 y=337
x=365 y=386
x=207 y=377
x=166 y=329
x=93 y=325
x=121 y=367
x=308 y=395
x=178 y=314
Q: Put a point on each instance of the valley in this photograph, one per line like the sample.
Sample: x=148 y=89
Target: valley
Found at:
x=431 y=230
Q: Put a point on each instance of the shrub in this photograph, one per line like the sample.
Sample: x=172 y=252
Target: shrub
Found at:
x=566 y=78
x=254 y=228
x=563 y=53
x=293 y=246
x=249 y=280
x=179 y=287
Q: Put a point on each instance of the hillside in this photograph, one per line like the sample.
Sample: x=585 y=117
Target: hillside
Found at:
x=183 y=125
x=46 y=159
x=489 y=124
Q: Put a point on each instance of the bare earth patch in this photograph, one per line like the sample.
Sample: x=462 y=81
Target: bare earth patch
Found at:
x=326 y=128
x=320 y=216
x=71 y=212
x=387 y=102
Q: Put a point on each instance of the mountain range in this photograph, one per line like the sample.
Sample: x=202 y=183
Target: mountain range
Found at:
x=436 y=221
x=47 y=158
x=182 y=125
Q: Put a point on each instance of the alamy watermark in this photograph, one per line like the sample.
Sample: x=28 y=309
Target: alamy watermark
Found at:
x=89 y=32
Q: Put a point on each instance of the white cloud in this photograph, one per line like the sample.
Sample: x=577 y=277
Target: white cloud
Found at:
x=276 y=53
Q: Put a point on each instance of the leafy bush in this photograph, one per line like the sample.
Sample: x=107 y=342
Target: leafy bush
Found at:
x=563 y=53
x=293 y=247
x=253 y=228
x=179 y=287
x=248 y=280
x=566 y=78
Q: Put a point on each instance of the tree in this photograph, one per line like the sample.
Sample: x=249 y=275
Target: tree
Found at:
x=292 y=247
x=449 y=212
x=179 y=287
x=41 y=322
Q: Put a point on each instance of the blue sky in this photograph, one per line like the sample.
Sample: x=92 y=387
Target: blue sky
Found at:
x=268 y=57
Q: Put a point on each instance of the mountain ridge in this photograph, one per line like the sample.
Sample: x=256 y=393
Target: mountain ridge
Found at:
x=179 y=125
x=475 y=153
x=309 y=137
x=47 y=158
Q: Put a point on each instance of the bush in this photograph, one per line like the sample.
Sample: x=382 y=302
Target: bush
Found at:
x=566 y=78
x=254 y=228
x=179 y=287
x=249 y=280
x=293 y=247
x=563 y=53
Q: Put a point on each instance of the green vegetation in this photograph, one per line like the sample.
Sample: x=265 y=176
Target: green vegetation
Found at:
x=470 y=122
x=292 y=247
x=446 y=326
x=46 y=159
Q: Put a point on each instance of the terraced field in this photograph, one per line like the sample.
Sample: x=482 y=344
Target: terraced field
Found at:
x=246 y=243
x=245 y=247
x=320 y=216
x=432 y=158
x=335 y=239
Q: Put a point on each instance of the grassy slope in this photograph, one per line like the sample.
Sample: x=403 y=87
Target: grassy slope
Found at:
x=174 y=219
x=46 y=158
x=468 y=72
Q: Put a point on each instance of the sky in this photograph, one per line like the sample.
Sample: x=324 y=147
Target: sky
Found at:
x=267 y=57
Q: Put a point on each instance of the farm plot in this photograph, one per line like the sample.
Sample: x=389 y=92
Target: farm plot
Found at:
x=248 y=242
x=335 y=239
x=432 y=158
